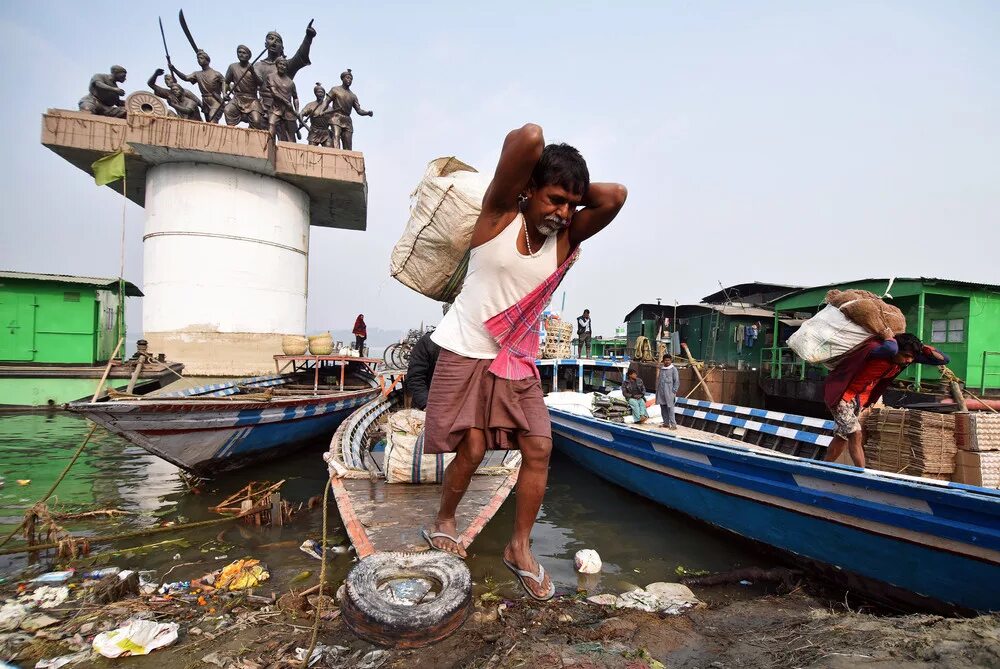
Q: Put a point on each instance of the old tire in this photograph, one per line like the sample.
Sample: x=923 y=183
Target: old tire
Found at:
x=368 y=613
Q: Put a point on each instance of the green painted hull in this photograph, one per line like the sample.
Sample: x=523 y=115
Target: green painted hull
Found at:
x=39 y=393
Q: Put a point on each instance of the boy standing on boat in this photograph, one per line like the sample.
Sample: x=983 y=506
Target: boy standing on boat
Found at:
x=486 y=393
x=667 y=383
x=859 y=381
x=634 y=391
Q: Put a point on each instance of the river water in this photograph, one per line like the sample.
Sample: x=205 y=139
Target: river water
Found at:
x=639 y=541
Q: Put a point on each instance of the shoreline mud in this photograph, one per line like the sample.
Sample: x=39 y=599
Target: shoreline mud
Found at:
x=735 y=628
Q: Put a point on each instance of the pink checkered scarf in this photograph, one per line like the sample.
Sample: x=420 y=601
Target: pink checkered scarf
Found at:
x=515 y=329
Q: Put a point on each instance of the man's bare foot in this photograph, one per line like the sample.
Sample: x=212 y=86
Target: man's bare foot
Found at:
x=525 y=561
x=444 y=543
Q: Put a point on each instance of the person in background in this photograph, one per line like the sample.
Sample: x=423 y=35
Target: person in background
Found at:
x=667 y=383
x=360 y=333
x=635 y=393
x=584 y=332
x=859 y=381
x=420 y=370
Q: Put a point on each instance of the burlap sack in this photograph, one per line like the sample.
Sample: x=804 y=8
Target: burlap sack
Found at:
x=869 y=311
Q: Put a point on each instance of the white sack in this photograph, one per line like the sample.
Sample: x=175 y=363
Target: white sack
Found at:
x=827 y=335
x=403 y=431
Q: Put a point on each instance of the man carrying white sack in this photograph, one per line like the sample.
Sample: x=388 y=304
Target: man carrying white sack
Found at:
x=486 y=391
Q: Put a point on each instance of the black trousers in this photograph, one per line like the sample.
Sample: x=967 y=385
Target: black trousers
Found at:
x=359 y=343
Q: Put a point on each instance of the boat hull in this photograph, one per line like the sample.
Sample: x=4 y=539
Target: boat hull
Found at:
x=207 y=437
x=940 y=542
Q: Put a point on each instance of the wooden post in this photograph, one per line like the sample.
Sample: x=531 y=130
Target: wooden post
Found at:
x=107 y=370
x=697 y=372
x=135 y=375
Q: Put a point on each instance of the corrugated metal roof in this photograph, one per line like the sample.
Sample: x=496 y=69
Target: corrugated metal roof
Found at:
x=111 y=283
x=898 y=279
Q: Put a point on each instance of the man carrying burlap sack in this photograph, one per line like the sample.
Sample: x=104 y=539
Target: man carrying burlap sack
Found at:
x=486 y=392
x=859 y=380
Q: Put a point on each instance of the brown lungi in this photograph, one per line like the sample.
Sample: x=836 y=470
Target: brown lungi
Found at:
x=464 y=394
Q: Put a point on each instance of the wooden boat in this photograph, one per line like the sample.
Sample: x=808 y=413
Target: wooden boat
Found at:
x=384 y=523
x=922 y=542
x=224 y=426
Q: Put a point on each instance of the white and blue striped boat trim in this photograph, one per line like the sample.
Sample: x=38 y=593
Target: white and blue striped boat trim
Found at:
x=757 y=426
x=791 y=418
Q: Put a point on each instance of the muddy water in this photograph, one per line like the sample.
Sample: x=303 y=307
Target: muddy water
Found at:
x=639 y=541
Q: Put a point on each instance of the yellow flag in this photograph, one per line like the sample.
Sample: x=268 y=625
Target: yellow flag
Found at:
x=109 y=168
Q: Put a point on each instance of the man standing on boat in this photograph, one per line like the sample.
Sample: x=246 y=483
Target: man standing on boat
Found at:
x=584 y=330
x=859 y=381
x=486 y=392
x=667 y=383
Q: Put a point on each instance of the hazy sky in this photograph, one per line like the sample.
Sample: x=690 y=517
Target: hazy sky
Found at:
x=791 y=142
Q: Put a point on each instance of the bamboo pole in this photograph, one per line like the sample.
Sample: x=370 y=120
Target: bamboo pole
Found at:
x=135 y=376
x=697 y=372
x=107 y=370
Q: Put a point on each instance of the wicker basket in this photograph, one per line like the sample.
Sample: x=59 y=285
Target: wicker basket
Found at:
x=294 y=345
x=321 y=344
x=558 y=339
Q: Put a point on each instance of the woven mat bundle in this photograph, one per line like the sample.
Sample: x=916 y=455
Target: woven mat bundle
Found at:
x=919 y=443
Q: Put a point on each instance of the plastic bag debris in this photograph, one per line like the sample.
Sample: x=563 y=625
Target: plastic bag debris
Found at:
x=313 y=548
x=63 y=660
x=587 y=561
x=669 y=598
x=98 y=574
x=47 y=596
x=320 y=652
x=139 y=637
x=242 y=574
x=11 y=615
x=174 y=588
x=54 y=576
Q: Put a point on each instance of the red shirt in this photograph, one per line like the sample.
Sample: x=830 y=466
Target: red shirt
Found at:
x=873 y=371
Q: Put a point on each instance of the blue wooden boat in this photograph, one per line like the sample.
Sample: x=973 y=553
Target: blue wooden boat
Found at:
x=224 y=426
x=901 y=538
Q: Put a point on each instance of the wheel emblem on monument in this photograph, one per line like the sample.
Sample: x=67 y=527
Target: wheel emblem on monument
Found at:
x=143 y=102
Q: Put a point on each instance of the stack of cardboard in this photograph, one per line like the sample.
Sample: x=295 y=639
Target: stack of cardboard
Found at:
x=978 y=458
x=919 y=443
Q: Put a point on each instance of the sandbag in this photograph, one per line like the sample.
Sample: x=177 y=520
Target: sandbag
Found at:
x=432 y=256
x=827 y=336
x=405 y=461
x=869 y=311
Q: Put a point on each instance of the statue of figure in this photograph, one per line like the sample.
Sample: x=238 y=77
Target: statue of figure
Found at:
x=284 y=114
x=275 y=49
x=105 y=97
x=342 y=102
x=210 y=84
x=184 y=102
x=319 y=113
x=242 y=83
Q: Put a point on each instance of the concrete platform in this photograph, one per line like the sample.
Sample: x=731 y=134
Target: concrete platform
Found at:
x=333 y=179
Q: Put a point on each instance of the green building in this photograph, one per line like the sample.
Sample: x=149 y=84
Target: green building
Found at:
x=57 y=334
x=959 y=318
x=52 y=318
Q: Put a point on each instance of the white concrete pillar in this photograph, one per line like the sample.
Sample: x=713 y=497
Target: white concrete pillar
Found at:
x=225 y=266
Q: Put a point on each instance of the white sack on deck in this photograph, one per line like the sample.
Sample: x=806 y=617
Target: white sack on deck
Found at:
x=826 y=336
x=580 y=404
x=431 y=256
x=402 y=431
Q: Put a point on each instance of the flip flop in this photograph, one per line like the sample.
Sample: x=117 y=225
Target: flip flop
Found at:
x=430 y=536
x=537 y=578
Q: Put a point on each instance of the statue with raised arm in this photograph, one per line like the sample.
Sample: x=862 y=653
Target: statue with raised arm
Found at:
x=243 y=84
x=319 y=113
x=210 y=85
x=105 y=97
x=284 y=115
x=275 y=49
x=182 y=101
x=343 y=100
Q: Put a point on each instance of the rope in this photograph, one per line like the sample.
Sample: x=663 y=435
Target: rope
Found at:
x=54 y=485
x=121 y=267
x=950 y=376
x=322 y=579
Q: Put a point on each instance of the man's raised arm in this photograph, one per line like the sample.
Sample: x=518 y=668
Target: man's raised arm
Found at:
x=522 y=149
x=601 y=204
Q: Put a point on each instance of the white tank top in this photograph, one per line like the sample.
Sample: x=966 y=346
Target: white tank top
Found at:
x=498 y=277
